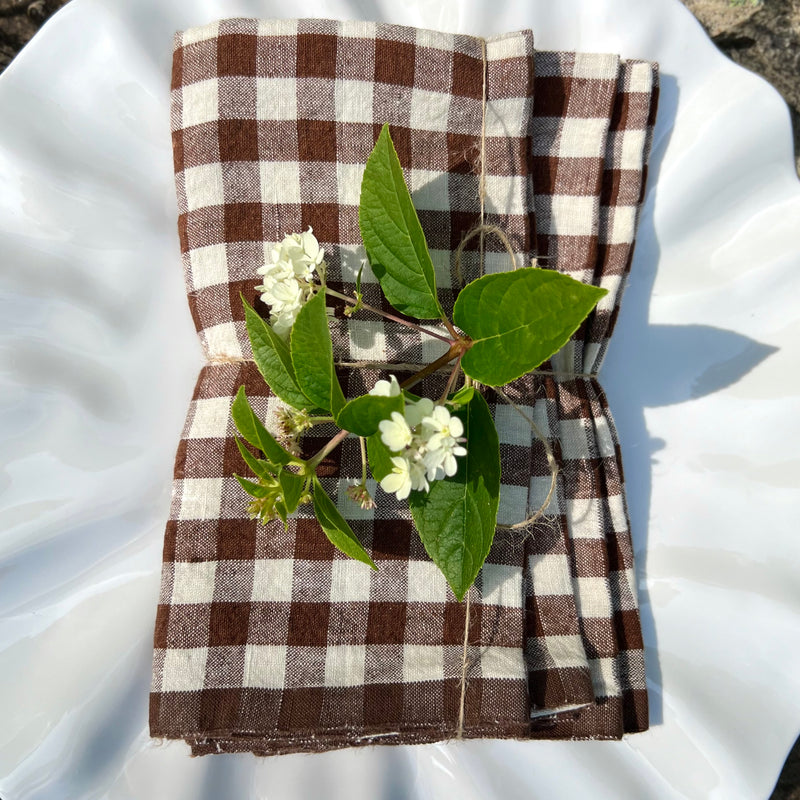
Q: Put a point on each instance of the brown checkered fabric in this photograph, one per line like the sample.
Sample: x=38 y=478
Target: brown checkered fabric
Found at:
x=584 y=635
x=268 y=640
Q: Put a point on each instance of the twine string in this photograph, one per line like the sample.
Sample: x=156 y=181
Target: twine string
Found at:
x=551 y=463
x=480 y=230
x=464 y=663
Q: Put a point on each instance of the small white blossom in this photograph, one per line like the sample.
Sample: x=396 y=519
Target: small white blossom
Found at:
x=390 y=388
x=288 y=278
x=311 y=249
x=395 y=433
x=416 y=470
x=407 y=473
x=442 y=446
x=398 y=481
x=441 y=461
x=426 y=439
x=286 y=296
x=442 y=424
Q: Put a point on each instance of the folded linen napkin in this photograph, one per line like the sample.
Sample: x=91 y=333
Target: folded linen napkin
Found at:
x=593 y=122
x=270 y=641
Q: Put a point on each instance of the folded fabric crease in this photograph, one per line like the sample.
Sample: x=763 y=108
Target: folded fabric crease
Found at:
x=268 y=640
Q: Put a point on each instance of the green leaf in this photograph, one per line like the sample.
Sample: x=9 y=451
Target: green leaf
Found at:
x=393 y=236
x=292 y=486
x=274 y=362
x=380 y=457
x=336 y=528
x=519 y=319
x=263 y=469
x=456 y=520
x=254 y=432
x=462 y=396
x=358 y=281
x=312 y=356
x=362 y=415
x=253 y=489
x=280 y=510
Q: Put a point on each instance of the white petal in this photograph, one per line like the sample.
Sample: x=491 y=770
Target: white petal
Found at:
x=398 y=481
x=310 y=245
x=433 y=420
x=416 y=412
x=395 y=433
x=442 y=441
x=434 y=458
x=450 y=465
x=417 y=475
x=393 y=481
x=302 y=270
x=286 y=293
x=280 y=271
x=282 y=324
x=390 y=388
x=456 y=427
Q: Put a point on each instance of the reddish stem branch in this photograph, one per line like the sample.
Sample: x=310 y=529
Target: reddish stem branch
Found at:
x=450 y=328
x=456 y=351
x=332 y=444
x=451 y=380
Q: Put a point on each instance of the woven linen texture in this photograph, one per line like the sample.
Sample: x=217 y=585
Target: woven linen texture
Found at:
x=587 y=199
x=269 y=640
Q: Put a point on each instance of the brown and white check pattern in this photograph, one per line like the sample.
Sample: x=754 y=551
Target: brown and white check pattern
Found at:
x=584 y=562
x=269 y=640
x=272 y=123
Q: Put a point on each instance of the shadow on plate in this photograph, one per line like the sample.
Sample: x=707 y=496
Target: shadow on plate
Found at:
x=663 y=365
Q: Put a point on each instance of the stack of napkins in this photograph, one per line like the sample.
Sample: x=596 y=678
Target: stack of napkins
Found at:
x=269 y=640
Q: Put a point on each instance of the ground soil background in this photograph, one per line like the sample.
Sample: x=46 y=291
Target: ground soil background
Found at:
x=761 y=35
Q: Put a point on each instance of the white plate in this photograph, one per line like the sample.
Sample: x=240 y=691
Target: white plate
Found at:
x=100 y=356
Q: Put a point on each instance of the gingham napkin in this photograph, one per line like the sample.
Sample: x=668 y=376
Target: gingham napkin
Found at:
x=269 y=640
x=593 y=124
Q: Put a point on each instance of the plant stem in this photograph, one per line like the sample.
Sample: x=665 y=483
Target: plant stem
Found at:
x=379 y=312
x=332 y=444
x=361 y=441
x=456 y=351
x=320 y=420
x=451 y=330
x=451 y=380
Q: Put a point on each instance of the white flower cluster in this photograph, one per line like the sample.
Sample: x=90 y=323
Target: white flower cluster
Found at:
x=426 y=439
x=288 y=278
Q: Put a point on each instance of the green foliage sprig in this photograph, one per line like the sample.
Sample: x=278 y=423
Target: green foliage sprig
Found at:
x=442 y=455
